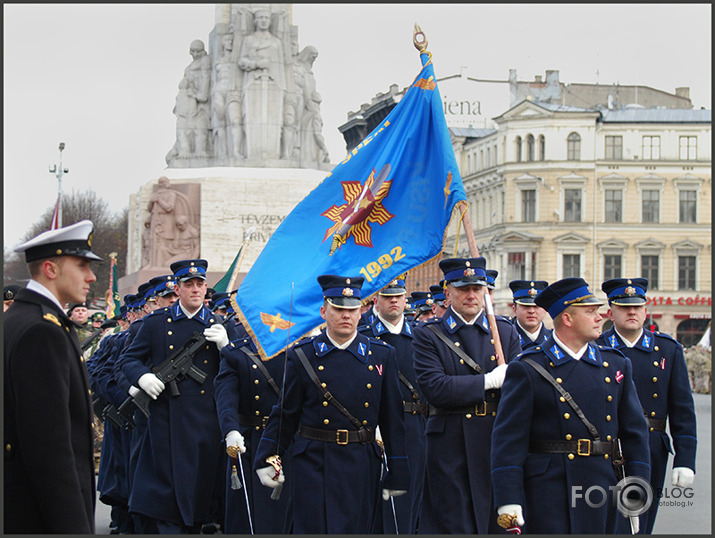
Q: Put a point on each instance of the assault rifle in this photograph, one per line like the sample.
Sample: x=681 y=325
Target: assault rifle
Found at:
x=107 y=411
x=89 y=340
x=177 y=367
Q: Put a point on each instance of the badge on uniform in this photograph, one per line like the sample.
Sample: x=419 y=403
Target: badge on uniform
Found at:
x=450 y=321
x=619 y=376
x=646 y=341
x=322 y=347
x=557 y=352
x=361 y=349
x=662 y=363
x=378 y=367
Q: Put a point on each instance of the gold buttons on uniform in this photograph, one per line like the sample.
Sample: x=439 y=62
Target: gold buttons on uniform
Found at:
x=493 y=395
x=323 y=385
x=171 y=346
x=608 y=418
x=605 y=364
x=364 y=422
x=491 y=341
x=655 y=379
x=257 y=397
x=568 y=436
x=655 y=363
x=203 y=392
x=258 y=413
x=255 y=382
x=321 y=367
x=461 y=361
x=652 y=413
x=457 y=344
x=206 y=362
x=370 y=367
x=605 y=456
x=254 y=366
x=369 y=385
x=326 y=421
x=608 y=437
x=325 y=404
x=571 y=456
x=562 y=399
x=656 y=348
x=655 y=395
x=207 y=346
x=559 y=380
x=170 y=333
x=369 y=352
x=8 y=447
x=492 y=358
x=169 y=320
x=469 y=415
x=608 y=380
x=650 y=429
x=367 y=404
x=609 y=398
x=567 y=416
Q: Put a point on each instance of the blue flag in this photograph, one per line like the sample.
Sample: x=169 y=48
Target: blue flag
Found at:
x=381 y=212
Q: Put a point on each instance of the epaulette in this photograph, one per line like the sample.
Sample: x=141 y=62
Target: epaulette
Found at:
x=305 y=340
x=528 y=351
x=611 y=349
x=431 y=320
x=666 y=336
x=375 y=341
x=48 y=314
x=240 y=342
x=157 y=311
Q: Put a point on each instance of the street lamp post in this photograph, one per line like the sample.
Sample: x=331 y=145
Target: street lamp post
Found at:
x=59 y=171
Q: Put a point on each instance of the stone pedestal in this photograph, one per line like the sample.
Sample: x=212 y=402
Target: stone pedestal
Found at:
x=232 y=200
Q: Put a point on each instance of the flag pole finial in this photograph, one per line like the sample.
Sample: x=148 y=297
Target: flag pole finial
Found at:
x=419 y=39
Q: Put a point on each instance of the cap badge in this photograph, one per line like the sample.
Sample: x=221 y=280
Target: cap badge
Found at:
x=588 y=288
x=348 y=292
x=630 y=290
x=193 y=269
x=89 y=239
x=469 y=272
x=533 y=292
x=393 y=283
x=429 y=302
x=169 y=284
x=9 y=294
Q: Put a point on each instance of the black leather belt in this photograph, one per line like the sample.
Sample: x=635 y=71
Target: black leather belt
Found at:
x=480 y=410
x=341 y=437
x=416 y=408
x=580 y=447
x=657 y=424
x=247 y=420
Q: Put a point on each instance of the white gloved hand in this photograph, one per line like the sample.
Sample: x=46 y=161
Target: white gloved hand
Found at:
x=133 y=391
x=266 y=474
x=234 y=442
x=387 y=493
x=217 y=333
x=151 y=384
x=683 y=477
x=495 y=378
x=512 y=509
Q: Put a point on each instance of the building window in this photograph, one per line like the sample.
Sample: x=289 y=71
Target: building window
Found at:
x=651 y=205
x=614 y=205
x=572 y=265
x=686 y=272
x=612 y=264
x=518 y=149
x=574 y=147
x=614 y=148
x=517 y=265
x=489 y=158
x=690 y=331
x=530 y=148
x=528 y=205
x=542 y=148
x=572 y=205
x=688 y=205
x=651 y=147
x=649 y=270
x=688 y=148
x=495 y=155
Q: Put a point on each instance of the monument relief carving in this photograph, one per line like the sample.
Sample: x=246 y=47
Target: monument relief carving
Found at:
x=170 y=234
x=252 y=101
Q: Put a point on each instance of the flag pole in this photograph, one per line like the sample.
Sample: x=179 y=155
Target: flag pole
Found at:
x=234 y=274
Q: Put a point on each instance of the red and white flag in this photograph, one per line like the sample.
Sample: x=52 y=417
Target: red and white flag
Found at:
x=56 y=215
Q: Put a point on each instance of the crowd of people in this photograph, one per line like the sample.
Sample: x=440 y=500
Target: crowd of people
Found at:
x=400 y=415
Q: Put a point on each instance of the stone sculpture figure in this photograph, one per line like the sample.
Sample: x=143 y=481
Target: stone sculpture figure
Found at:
x=166 y=207
x=185 y=244
x=226 y=104
x=312 y=147
x=193 y=121
x=264 y=88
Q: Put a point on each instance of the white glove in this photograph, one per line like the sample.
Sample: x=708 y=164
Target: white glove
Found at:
x=234 y=442
x=683 y=477
x=151 y=384
x=133 y=391
x=387 y=493
x=512 y=509
x=495 y=378
x=217 y=333
x=266 y=474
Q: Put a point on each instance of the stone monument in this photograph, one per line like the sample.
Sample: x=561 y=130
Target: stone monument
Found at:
x=249 y=147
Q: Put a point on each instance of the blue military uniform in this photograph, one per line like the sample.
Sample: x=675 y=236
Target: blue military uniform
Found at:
x=543 y=455
x=406 y=506
x=335 y=482
x=524 y=292
x=180 y=452
x=457 y=491
x=244 y=399
x=661 y=379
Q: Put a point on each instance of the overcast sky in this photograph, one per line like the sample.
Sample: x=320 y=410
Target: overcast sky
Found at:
x=103 y=78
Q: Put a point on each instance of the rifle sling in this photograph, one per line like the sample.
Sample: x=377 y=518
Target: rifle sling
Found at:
x=461 y=354
x=326 y=394
x=406 y=382
x=569 y=399
x=259 y=364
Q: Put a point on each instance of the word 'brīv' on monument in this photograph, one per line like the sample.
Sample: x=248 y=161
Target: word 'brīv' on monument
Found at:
x=248 y=148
